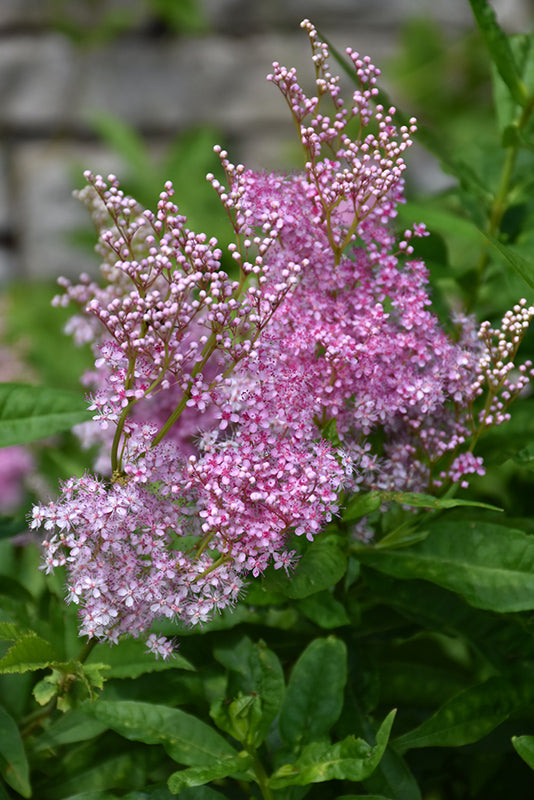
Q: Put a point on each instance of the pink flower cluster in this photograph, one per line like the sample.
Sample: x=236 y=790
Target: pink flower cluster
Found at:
x=215 y=387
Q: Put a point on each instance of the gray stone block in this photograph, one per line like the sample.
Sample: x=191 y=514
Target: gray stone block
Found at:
x=47 y=214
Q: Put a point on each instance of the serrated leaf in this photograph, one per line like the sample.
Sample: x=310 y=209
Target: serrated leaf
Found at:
x=29 y=653
x=524 y=746
x=465 y=718
x=490 y=565
x=29 y=412
x=14 y=763
x=314 y=695
x=499 y=49
x=186 y=738
x=197 y=776
x=351 y=759
x=9 y=631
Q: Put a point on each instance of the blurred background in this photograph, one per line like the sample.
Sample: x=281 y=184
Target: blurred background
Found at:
x=144 y=88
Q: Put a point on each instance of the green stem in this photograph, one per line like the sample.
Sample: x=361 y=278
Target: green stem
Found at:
x=262 y=778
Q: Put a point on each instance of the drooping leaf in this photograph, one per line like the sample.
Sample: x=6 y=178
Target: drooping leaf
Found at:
x=467 y=717
x=13 y=762
x=187 y=739
x=29 y=412
x=490 y=565
x=314 y=695
x=351 y=759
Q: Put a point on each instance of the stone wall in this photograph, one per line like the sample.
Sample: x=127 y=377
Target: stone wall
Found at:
x=50 y=84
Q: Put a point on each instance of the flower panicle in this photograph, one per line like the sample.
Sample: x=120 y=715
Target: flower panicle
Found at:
x=235 y=393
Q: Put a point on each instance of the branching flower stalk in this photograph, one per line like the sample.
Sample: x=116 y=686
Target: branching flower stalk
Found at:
x=213 y=396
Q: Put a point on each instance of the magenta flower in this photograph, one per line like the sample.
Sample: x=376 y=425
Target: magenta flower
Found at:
x=214 y=392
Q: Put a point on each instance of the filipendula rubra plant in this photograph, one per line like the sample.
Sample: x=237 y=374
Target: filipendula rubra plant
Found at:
x=234 y=409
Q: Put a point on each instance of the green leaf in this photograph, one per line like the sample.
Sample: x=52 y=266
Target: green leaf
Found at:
x=97 y=795
x=329 y=432
x=351 y=759
x=197 y=776
x=129 y=659
x=522 y=266
x=524 y=746
x=360 y=505
x=9 y=631
x=314 y=695
x=508 y=110
x=465 y=718
x=29 y=653
x=14 y=763
x=29 y=412
x=193 y=793
x=10 y=526
x=258 y=682
x=322 y=566
x=323 y=609
x=421 y=500
x=73 y=726
x=100 y=774
x=490 y=565
x=363 y=797
x=499 y=49
x=186 y=738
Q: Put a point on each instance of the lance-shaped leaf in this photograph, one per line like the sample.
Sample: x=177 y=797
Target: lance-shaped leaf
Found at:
x=29 y=412
x=197 y=776
x=13 y=762
x=524 y=746
x=186 y=738
x=499 y=49
x=467 y=717
x=351 y=759
x=314 y=696
x=490 y=565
